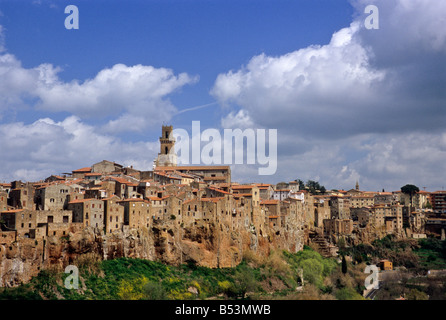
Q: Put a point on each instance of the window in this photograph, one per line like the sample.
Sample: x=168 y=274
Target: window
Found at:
x=50 y=219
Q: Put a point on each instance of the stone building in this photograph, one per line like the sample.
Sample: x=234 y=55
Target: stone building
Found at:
x=266 y=191
x=3 y=201
x=321 y=210
x=105 y=167
x=388 y=217
x=384 y=198
x=80 y=173
x=89 y=212
x=125 y=188
x=338 y=227
x=21 y=195
x=136 y=213
x=438 y=201
x=340 y=207
x=209 y=174
x=53 y=196
x=362 y=200
x=37 y=223
x=113 y=214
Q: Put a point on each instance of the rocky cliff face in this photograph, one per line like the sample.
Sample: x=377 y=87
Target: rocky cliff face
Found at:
x=206 y=244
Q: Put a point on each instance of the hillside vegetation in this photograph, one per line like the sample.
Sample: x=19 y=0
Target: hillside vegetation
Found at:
x=305 y=275
x=277 y=276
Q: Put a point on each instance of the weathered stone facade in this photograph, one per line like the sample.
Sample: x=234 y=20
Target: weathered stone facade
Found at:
x=180 y=214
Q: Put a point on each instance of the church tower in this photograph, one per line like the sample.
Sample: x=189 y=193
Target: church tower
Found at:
x=357 y=186
x=167 y=156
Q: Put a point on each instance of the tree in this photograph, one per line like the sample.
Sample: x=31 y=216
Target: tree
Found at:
x=244 y=281
x=415 y=294
x=154 y=291
x=301 y=184
x=282 y=185
x=314 y=187
x=344 y=265
x=410 y=190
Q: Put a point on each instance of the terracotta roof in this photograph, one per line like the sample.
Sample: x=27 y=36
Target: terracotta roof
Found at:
x=216 y=199
x=68 y=182
x=242 y=194
x=86 y=169
x=190 y=200
x=157 y=198
x=13 y=211
x=81 y=200
x=184 y=175
x=219 y=190
x=243 y=187
x=121 y=180
x=269 y=201
x=133 y=200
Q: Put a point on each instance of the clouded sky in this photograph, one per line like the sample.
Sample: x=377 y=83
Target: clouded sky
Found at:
x=349 y=103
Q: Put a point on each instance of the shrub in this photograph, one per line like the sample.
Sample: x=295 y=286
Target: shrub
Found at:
x=348 y=294
x=154 y=291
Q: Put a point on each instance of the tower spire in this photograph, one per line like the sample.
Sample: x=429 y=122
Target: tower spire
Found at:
x=167 y=156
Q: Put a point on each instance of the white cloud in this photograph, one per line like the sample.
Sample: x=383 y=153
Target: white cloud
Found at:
x=121 y=93
x=46 y=147
x=306 y=85
x=367 y=106
x=241 y=120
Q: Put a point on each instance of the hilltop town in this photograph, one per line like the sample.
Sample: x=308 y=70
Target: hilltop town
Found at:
x=177 y=214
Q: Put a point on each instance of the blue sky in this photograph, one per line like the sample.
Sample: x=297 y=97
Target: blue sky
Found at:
x=348 y=103
x=200 y=37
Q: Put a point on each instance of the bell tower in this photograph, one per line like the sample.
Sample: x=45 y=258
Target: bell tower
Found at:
x=167 y=156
